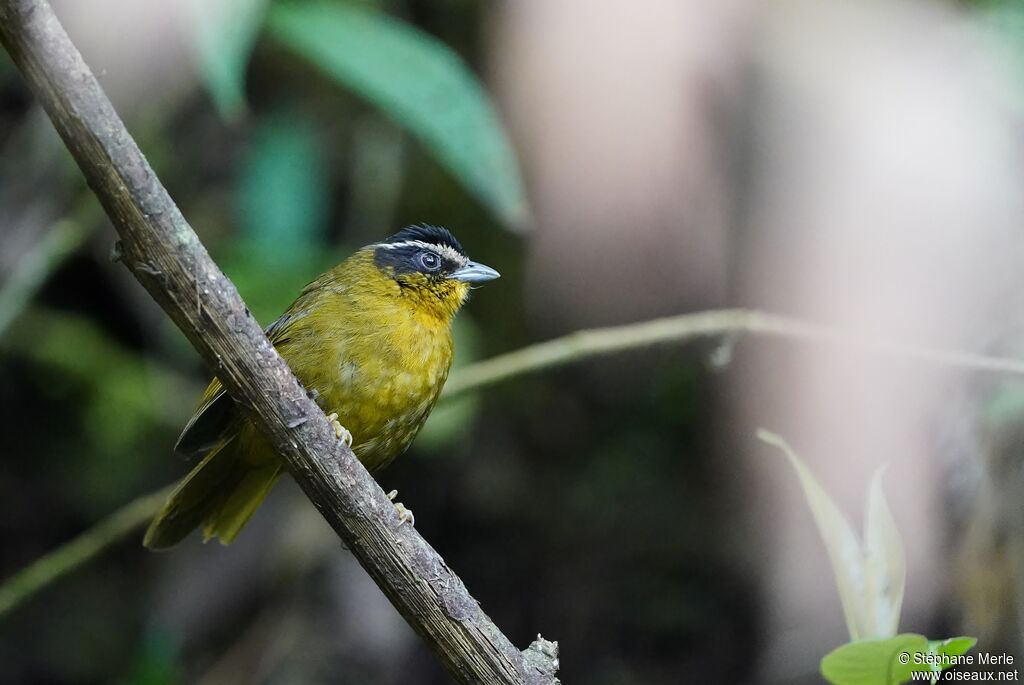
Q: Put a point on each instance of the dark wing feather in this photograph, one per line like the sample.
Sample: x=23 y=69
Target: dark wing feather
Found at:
x=212 y=424
x=275 y=330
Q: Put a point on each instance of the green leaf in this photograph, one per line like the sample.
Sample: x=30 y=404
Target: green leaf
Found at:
x=893 y=660
x=270 y=285
x=873 y=662
x=282 y=205
x=944 y=654
x=419 y=83
x=283 y=195
x=841 y=543
x=225 y=33
x=953 y=646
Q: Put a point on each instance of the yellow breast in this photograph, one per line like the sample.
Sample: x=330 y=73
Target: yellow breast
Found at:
x=371 y=353
x=385 y=386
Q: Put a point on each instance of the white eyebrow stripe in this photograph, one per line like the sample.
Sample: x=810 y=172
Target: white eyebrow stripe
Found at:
x=445 y=251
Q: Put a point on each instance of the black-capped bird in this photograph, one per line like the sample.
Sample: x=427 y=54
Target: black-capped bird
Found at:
x=370 y=340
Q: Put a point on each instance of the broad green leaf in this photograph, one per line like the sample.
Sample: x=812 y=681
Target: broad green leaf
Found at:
x=946 y=653
x=953 y=646
x=893 y=660
x=226 y=31
x=419 y=83
x=874 y=662
x=885 y=566
x=841 y=543
x=282 y=201
x=269 y=285
x=283 y=194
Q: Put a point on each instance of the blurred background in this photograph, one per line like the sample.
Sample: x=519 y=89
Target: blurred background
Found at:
x=857 y=164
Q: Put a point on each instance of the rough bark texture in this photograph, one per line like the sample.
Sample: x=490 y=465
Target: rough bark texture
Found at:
x=164 y=254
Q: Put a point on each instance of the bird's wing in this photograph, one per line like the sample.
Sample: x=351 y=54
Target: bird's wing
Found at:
x=214 y=421
x=211 y=425
x=277 y=331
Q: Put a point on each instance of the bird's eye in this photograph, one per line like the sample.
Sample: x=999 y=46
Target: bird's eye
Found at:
x=429 y=261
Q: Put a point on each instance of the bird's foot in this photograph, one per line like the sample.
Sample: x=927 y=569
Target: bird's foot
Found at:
x=340 y=431
x=404 y=515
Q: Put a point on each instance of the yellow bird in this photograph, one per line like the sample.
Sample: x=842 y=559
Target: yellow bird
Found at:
x=370 y=340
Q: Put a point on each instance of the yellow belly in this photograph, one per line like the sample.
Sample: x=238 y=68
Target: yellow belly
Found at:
x=382 y=386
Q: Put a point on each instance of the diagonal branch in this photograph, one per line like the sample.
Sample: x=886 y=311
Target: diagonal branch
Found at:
x=165 y=255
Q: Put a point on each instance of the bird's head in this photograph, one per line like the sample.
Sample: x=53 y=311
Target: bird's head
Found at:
x=430 y=266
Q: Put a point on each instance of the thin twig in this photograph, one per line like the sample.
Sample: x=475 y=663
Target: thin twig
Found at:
x=578 y=347
x=78 y=551
x=596 y=342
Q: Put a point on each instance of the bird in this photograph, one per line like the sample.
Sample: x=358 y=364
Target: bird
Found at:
x=371 y=342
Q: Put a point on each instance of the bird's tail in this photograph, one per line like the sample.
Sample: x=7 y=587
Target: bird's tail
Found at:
x=221 y=493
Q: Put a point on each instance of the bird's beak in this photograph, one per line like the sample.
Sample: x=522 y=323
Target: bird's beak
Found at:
x=474 y=272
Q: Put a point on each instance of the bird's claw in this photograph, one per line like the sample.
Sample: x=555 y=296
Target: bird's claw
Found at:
x=404 y=515
x=340 y=431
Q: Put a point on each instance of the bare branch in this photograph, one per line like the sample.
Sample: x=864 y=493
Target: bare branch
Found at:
x=165 y=255
x=596 y=342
